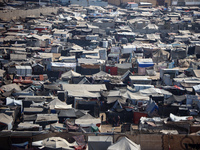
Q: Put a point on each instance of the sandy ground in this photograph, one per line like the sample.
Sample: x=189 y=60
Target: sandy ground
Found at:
x=108 y=127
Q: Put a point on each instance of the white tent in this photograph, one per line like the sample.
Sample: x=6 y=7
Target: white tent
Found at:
x=156 y=91
x=87 y=121
x=7 y=120
x=57 y=104
x=13 y=102
x=54 y=143
x=124 y=144
x=69 y=75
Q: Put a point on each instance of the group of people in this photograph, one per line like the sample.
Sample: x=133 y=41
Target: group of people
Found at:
x=116 y=121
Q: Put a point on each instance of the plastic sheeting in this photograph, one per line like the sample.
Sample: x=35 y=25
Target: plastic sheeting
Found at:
x=87 y=120
x=177 y=118
x=124 y=144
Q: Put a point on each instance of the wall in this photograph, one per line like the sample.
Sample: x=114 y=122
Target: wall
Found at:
x=149 y=1
x=119 y=2
x=89 y=2
x=146 y=141
x=16 y=14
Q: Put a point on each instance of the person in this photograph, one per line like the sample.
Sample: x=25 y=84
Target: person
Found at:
x=118 y=123
x=102 y=118
x=114 y=122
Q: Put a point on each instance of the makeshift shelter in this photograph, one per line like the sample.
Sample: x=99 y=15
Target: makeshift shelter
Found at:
x=82 y=93
x=10 y=88
x=13 y=102
x=84 y=81
x=55 y=143
x=69 y=74
x=56 y=126
x=33 y=110
x=156 y=91
x=177 y=99
x=6 y=122
x=124 y=144
x=143 y=64
x=64 y=114
x=100 y=75
x=160 y=56
x=45 y=119
x=83 y=87
x=26 y=126
x=87 y=121
x=56 y=104
x=99 y=142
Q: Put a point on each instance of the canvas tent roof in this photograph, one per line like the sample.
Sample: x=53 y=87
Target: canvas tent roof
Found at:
x=82 y=93
x=55 y=143
x=13 y=102
x=10 y=87
x=67 y=113
x=87 y=120
x=160 y=55
x=56 y=104
x=83 y=87
x=46 y=117
x=197 y=73
x=100 y=74
x=125 y=144
x=27 y=125
x=2 y=72
x=135 y=96
x=70 y=74
x=5 y=119
x=155 y=91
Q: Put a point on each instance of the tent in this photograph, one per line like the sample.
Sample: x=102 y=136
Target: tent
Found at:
x=28 y=126
x=13 y=102
x=160 y=56
x=45 y=119
x=100 y=75
x=6 y=121
x=55 y=143
x=176 y=98
x=99 y=142
x=156 y=91
x=87 y=121
x=57 y=104
x=68 y=75
x=124 y=144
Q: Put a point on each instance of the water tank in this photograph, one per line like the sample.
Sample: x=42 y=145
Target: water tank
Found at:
x=105 y=44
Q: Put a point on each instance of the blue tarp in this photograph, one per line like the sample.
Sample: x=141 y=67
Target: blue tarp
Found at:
x=144 y=65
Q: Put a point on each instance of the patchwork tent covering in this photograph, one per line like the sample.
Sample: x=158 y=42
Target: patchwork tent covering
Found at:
x=160 y=56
